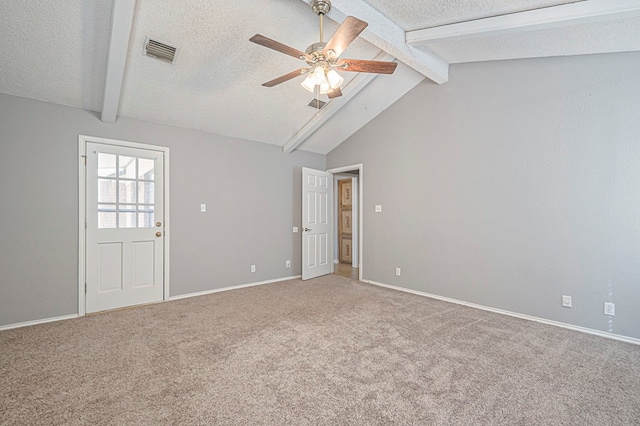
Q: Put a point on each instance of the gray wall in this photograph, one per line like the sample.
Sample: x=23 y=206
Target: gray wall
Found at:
x=511 y=185
x=252 y=192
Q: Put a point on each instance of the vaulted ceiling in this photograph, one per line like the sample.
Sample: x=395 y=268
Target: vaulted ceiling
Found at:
x=89 y=54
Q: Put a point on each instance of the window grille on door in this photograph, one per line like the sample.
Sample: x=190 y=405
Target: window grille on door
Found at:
x=125 y=191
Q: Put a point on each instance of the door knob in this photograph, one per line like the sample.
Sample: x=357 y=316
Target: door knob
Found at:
x=158 y=234
x=158 y=224
x=306 y=229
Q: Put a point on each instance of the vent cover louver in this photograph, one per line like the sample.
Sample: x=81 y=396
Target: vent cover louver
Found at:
x=317 y=104
x=160 y=50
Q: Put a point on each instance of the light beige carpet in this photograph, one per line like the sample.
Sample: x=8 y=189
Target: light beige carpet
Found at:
x=328 y=351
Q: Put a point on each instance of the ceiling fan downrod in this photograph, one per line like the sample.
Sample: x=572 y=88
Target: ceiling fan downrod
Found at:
x=321 y=8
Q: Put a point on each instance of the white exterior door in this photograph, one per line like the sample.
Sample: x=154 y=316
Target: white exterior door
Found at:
x=317 y=242
x=124 y=226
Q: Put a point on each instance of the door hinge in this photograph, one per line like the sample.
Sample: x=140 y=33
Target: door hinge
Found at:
x=85 y=159
x=85 y=288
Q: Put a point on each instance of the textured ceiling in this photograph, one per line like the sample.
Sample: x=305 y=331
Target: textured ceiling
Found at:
x=413 y=15
x=215 y=83
x=57 y=50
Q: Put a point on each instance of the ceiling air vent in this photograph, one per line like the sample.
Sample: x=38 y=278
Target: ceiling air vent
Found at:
x=160 y=50
x=317 y=104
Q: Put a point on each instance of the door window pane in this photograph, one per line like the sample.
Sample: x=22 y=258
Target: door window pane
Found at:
x=127 y=191
x=126 y=167
x=126 y=216
x=145 y=217
x=106 y=165
x=107 y=190
x=145 y=168
x=145 y=192
x=107 y=216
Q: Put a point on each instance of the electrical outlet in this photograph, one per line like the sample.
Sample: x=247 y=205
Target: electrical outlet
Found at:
x=609 y=309
x=253 y=268
x=566 y=301
x=398 y=271
x=287 y=264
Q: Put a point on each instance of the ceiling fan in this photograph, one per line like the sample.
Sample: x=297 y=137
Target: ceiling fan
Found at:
x=324 y=58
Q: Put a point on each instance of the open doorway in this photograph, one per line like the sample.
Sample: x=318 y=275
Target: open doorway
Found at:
x=346 y=231
x=320 y=254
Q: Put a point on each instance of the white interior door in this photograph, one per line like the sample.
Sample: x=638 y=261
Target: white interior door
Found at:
x=317 y=214
x=125 y=227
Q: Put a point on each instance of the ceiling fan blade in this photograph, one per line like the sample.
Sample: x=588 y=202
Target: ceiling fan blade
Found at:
x=286 y=77
x=358 y=65
x=344 y=35
x=276 y=45
x=334 y=93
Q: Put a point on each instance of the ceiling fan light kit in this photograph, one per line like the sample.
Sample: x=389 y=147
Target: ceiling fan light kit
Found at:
x=325 y=80
x=323 y=58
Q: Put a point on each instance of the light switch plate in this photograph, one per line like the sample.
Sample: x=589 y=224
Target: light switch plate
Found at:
x=378 y=208
x=203 y=208
x=295 y=229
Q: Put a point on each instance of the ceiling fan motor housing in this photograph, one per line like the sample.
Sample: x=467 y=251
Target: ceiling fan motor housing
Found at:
x=316 y=52
x=321 y=6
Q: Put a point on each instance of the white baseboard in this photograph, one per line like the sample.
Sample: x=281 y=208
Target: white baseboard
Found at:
x=181 y=296
x=512 y=314
x=235 y=287
x=36 y=322
x=393 y=287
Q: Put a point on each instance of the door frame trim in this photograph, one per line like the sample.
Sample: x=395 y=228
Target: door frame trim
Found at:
x=360 y=169
x=82 y=216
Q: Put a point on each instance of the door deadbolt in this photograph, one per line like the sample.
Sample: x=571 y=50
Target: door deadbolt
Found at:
x=158 y=234
x=158 y=224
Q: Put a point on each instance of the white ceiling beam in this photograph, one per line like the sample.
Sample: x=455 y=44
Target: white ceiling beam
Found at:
x=121 y=22
x=549 y=17
x=389 y=37
x=358 y=83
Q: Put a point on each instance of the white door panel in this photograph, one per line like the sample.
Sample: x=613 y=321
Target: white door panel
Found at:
x=317 y=196
x=143 y=263
x=109 y=273
x=125 y=226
